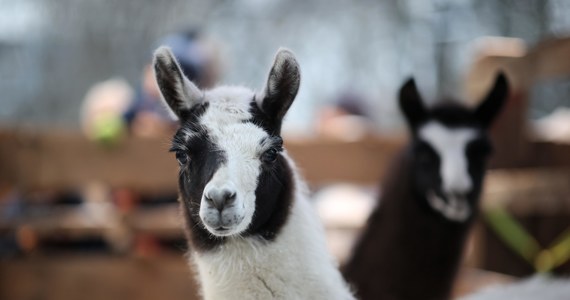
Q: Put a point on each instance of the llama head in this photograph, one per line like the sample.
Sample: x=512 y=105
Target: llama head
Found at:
x=450 y=147
x=234 y=179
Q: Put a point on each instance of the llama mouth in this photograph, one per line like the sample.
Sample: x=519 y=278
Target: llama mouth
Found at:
x=222 y=231
x=454 y=208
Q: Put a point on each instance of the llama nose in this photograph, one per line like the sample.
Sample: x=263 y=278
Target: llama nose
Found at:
x=220 y=198
x=459 y=186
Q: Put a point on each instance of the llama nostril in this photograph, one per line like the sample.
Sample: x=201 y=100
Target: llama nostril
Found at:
x=220 y=198
x=231 y=198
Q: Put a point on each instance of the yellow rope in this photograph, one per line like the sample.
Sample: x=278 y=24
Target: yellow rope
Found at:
x=513 y=234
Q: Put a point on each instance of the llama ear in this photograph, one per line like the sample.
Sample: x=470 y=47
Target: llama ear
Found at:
x=411 y=104
x=177 y=91
x=490 y=107
x=281 y=87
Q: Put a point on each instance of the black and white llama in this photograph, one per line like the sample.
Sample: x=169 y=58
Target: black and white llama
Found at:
x=413 y=242
x=252 y=232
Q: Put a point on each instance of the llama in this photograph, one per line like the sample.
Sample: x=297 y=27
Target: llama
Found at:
x=251 y=231
x=412 y=245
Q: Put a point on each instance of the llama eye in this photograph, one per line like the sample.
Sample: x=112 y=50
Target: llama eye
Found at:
x=424 y=158
x=479 y=150
x=483 y=149
x=269 y=156
x=182 y=158
x=424 y=154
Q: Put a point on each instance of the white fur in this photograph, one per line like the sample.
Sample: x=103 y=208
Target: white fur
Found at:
x=296 y=265
x=240 y=142
x=535 y=288
x=455 y=209
x=450 y=144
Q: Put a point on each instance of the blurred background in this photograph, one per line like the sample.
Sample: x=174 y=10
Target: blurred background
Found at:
x=88 y=190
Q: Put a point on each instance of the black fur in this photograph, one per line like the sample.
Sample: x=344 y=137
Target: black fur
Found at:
x=411 y=104
x=408 y=250
x=274 y=193
x=488 y=110
x=450 y=113
x=426 y=163
x=273 y=199
x=259 y=118
x=204 y=160
x=199 y=158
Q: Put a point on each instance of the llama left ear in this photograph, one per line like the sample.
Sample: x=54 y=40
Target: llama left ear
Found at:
x=179 y=93
x=490 y=107
x=281 y=87
x=411 y=104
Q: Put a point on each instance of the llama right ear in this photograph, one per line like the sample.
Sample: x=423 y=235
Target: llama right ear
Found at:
x=490 y=107
x=411 y=104
x=179 y=93
x=281 y=87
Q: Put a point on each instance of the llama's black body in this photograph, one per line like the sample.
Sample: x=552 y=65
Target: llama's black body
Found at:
x=412 y=245
x=406 y=251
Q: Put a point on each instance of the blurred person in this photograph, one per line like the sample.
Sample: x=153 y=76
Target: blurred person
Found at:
x=112 y=108
x=344 y=205
x=146 y=115
x=346 y=119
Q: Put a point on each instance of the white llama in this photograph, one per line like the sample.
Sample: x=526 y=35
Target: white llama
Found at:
x=252 y=232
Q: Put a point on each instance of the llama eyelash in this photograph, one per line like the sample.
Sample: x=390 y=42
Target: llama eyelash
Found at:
x=275 y=142
x=178 y=144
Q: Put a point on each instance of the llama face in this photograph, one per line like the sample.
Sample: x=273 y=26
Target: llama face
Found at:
x=234 y=177
x=450 y=148
x=449 y=166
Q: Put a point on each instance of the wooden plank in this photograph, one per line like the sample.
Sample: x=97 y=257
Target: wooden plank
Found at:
x=365 y=162
x=525 y=192
x=66 y=160
x=126 y=278
x=539 y=199
x=544 y=61
x=97 y=277
x=58 y=160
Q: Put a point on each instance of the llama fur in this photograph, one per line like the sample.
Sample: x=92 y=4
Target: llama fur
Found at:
x=275 y=252
x=413 y=242
x=296 y=265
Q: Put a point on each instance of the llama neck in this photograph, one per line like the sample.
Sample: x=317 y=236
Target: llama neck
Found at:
x=294 y=265
x=406 y=251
